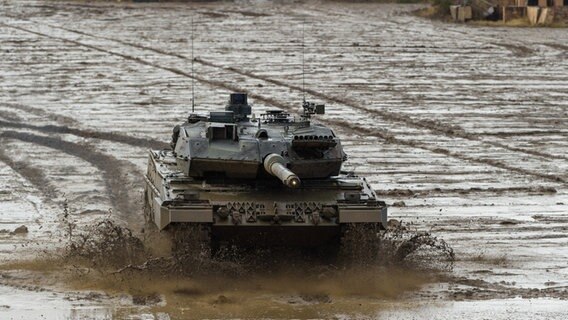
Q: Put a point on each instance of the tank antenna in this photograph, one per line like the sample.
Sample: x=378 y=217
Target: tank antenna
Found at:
x=192 y=76
x=303 y=60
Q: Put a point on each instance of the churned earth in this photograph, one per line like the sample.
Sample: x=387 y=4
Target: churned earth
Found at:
x=462 y=129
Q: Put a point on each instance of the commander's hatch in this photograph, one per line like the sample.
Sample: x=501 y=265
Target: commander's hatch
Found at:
x=222 y=131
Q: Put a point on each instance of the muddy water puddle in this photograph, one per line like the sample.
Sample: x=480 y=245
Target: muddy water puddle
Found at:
x=276 y=295
x=91 y=281
x=26 y=304
x=156 y=297
x=309 y=292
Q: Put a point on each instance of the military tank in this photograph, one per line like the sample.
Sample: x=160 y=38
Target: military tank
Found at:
x=269 y=180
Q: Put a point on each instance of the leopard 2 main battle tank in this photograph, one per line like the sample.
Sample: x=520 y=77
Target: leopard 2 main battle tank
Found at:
x=267 y=180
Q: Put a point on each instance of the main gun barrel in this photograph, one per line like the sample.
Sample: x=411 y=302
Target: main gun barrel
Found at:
x=275 y=165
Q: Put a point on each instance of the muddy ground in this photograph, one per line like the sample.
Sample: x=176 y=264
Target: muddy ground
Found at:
x=464 y=129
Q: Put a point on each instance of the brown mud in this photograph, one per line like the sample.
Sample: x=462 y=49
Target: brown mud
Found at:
x=106 y=257
x=185 y=251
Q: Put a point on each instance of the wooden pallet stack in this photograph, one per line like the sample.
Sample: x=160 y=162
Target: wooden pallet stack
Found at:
x=513 y=9
x=561 y=12
x=461 y=13
x=538 y=12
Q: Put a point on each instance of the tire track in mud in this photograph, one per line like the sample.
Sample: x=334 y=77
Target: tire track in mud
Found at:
x=416 y=144
x=428 y=192
x=106 y=5
x=387 y=137
x=111 y=168
x=90 y=134
x=41 y=113
x=436 y=127
x=179 y=72
x=489 y=42
x=560 y=47
x=32 y=174
x=10 y=116
x=478 y=289
x=428 y=124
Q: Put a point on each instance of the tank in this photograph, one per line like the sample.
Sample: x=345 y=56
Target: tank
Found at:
x=271 y=179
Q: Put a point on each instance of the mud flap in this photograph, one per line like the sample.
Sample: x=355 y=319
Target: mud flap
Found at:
x=161 y=214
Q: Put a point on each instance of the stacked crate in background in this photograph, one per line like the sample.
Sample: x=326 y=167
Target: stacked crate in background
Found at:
x=461 y=13
x=543 y=12
x=538 y=12
x=513 y=9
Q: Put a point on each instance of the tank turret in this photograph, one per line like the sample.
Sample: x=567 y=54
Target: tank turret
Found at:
x=230 y=145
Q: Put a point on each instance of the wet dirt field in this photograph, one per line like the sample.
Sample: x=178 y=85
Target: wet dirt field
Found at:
x=464 y=129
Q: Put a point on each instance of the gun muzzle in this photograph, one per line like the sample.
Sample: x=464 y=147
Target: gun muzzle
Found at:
x=274 y=164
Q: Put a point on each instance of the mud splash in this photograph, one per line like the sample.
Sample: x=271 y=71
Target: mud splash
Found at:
x=187 y=251
x=104 y=245
x=398 y=246
x=373 y=265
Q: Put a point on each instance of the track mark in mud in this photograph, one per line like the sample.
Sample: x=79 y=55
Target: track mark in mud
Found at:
x=32 y=174
x=389 y=138
x=41 y=113
x=517 y=50
x=110 y=167
x=110 y=136
x=214 y=83
x=416 y=144
x=249 y=13
x=433 y=126
x=10 y=116
x=462 y=191
x=527 y=133
x=484 y=290
x=560 y=47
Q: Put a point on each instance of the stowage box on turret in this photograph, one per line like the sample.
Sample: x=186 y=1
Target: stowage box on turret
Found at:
x=271 y=179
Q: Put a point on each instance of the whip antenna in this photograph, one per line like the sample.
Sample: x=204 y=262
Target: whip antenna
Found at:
x=303 y=60
x=192 y=76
